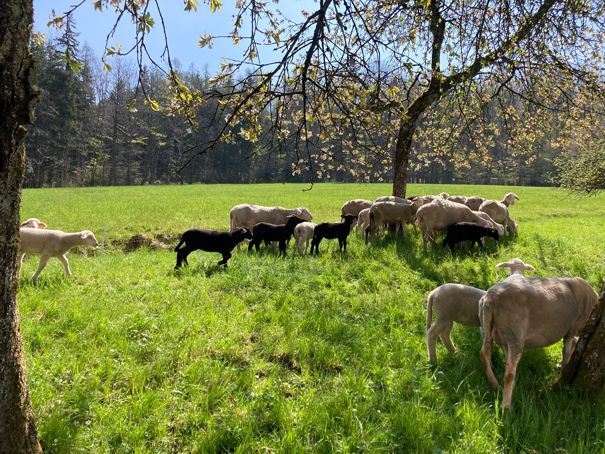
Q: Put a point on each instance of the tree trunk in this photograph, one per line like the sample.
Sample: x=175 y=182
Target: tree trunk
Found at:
x=17 y=97
x=402 y=156
x=586 y=368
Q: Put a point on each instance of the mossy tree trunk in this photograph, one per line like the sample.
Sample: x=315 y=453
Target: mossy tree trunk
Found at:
x=17 y=97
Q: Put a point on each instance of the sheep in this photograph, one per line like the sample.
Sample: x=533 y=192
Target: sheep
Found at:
x=468 y=231
x=355 y=206
x=534 y=312
x=392 y=213
x=474 y=202
x=363 y=220
x=458 y=303
x=248 y=216
x=451 y=303
x=303 y=233
x=209 y=241
x=440 y=214
x=51 y=243
x=498 y=210
x=33 y=223
x=264 y=231
x=457 y=198
x=331 y=230
x=491 y=223
x=391 y=198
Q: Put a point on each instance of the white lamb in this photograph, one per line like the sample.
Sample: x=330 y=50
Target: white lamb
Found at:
x=33 y=223
x=51 y=243
x=498 y=210
x=303 y=233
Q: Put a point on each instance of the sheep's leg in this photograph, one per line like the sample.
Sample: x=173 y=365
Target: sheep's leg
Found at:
x=431 y=343
x=510 y=371
x=181 y=256
x=65 y=262
x=226 y=257
x=569 y=343
x=344 y=243
x=446 y=338
x=486 y=362
x=41 y=265
x=299 y=245
x=20 y=258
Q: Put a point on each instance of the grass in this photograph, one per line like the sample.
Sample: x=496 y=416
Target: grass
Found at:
x=295 y=354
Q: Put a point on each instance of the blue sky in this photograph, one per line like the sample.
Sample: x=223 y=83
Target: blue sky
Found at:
x=184 y=29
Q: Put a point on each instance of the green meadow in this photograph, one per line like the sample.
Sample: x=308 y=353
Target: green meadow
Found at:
x=294 y=354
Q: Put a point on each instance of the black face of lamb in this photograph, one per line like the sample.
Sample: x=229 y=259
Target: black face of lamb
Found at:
x=331 y=230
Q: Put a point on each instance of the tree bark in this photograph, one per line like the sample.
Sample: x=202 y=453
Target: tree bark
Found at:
x=17 y=98
x=402 y=157
x=586 y=368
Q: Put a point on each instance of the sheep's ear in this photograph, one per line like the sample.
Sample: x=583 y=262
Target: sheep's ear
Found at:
x=41 y=225
x=85 y=234
x=298 y=212
x=529 y=268
x=503 y=265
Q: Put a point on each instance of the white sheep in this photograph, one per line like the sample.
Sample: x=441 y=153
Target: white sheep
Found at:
x=459 y=303
x=457 y=198
x=51 y=243
x=355 y=206
x=33 y=223
x=390 y=213
x=498 y=210
x=493 y=224
x=474 y=202
x=535 y=312
x=248 y=216
x=363 y=220
x=390 y=198
x=440 y=214
x=303 y=233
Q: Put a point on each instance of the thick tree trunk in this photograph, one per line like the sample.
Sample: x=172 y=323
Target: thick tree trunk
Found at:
x=402 y=156
x=17 y=427
x=586 y=368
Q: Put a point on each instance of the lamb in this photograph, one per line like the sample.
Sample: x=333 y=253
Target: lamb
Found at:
x=263 y=231
x=248 y=216
x=331 y=230
x=392 y=213
x=51 y=243
x=468 y=231
x=490 y=222
x=303 y=233
x=458 y=303
x=534 y=312
x=363 y=220
x=498 y=210
x=440 y=214
x=458 y=199
x=33 y=223
x=209 y=241
x=391 y=198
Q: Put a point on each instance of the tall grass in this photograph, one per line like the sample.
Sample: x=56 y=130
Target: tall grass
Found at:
x=289 y=354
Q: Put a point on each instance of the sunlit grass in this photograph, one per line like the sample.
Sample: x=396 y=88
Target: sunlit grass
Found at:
x=291 y=354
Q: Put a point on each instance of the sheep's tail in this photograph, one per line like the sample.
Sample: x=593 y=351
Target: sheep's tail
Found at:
x=231 y=222
x=429 y=310
x=486 y=315
x=176 y=249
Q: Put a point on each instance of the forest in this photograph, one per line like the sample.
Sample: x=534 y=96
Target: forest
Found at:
x=95 y=127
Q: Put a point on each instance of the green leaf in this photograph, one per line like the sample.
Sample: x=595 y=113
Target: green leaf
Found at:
x=191 y=5
x=215 y=5
x=98 y=5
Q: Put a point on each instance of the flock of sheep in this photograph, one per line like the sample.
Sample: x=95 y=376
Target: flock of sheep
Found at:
x=516 y=313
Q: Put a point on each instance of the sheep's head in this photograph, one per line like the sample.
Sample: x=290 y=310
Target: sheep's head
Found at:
x=444 y=195
x=89 y=238
x=293 y=221
x=244 y=233
x=304 y=214
x=510 y=198
x=348 y=218
x=33 y=223
x=516 y=266
x=494 y=233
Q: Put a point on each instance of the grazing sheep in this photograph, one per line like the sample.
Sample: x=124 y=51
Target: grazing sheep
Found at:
x=490 y=222
x=51 y=243
x=451 y=303
x=33 y=223
x=355 y=206
x=209 y=241
x=390 y=213
x=458 y=303
x=440 y=214
x=263 y=231
x=248 y=216
x=474 y=202
x=363 y=220
x=512 y=227
x=331 y=230
x=498 y=210
x=534 y=312
x=468 y=231
x=391 y=198
x=303 y=233
x=422 y=200
x=457 y=198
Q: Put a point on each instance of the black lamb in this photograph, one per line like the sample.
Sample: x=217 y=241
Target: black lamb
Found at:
x=263 y=231
x=468 y=231
x=331 y=230
x=209 y=241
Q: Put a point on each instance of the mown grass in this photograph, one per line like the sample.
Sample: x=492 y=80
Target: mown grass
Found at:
x=295 y=354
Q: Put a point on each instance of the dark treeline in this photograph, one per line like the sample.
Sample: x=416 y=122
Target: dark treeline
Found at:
x=93 y=128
